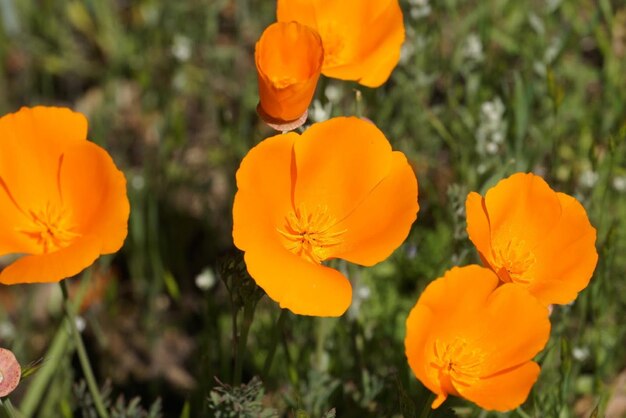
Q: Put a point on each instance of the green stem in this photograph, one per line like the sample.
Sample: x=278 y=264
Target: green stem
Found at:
x=426 y=409
x=82 y=354
x=276 y=336
x=8 y=412
x=248 y=316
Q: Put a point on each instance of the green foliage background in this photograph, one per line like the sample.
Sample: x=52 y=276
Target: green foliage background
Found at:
x=484 y=88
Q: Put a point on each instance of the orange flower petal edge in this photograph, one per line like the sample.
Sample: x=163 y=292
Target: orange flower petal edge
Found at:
x=337 y=190
x=467 y=336
x=288 y=59
x=63 y=199
x=361 y=38
x=533 y=236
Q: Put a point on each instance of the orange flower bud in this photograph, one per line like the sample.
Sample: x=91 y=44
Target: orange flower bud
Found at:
x=289 y=61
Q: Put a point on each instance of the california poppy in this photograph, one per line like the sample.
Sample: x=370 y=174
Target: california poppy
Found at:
x=288 y=60
x=533 y=236
x=336 y=191
x=361 y=38
x=63 y=201
x=468 y=337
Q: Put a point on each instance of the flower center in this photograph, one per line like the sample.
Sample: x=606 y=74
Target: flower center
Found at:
x=50 y=227
x=512 y=260
x=457 y=364
x=310 y=234
x=334 y=44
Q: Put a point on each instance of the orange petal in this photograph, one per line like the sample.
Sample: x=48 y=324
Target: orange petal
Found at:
x=361 y=38
x=55 y=266
x=302 y=287
x=504 y=391
x=95 y=189
x=12 y=215
x=378 y=51
x=478 y=227
x=265 y=187
x=289 y=61
x=567 y=256
x=523 y=206
x=419 y=324
x=518 y=329
x=393 y=205
x=339 y=162
x=32 y=142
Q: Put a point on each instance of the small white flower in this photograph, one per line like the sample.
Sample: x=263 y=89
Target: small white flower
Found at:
x=491 y=131
x=588 y=178
x=580 y=353
x=406 y=52
x=619 y=183
x=181 y=48
x=206 y=279
x=319 y=113
x=333 y=93
x=7 y=331
x=80 y=323
x=138 y=182
x=419 y=8
x=491 y=148
x=473 y=48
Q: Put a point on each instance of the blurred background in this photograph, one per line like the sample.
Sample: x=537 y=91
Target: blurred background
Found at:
x=484 y=88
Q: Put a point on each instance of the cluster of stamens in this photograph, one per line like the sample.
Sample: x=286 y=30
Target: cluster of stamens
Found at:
x=456 y=363
x=50 y=227
x=310 y=234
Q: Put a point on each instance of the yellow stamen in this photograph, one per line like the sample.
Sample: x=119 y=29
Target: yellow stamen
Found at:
x=310 y=234
x=458 y=364
x=51 y=228
x=512 y=259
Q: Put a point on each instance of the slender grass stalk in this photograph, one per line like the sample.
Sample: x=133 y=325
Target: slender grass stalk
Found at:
x=278 y=328
x=82 y=354
x=41 y=379
x=426 y=409
x=248 y=316
x=7 y=411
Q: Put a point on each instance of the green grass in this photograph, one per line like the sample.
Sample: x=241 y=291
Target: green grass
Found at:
x=485 y=88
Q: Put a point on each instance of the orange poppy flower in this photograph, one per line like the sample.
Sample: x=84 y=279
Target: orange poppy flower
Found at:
x=531 y=235
x=468 y=337
x=288 y=60
x=336 y=191
x=63 y=201
x=361 y=38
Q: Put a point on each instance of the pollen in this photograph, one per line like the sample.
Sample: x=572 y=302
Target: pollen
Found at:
x=50 y=227
x=512 y=259
x=458 y=364
x=311 y=234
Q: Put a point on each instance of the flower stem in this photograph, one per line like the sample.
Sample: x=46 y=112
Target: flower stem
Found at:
x=426 y=408
x=82 y=354
x=248 y=316
x=276 y=336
